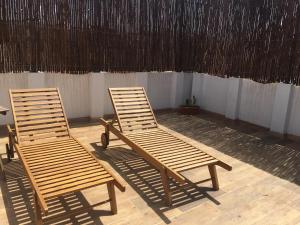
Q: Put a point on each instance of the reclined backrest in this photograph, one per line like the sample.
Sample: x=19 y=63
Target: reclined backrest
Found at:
x=39 y=115
x=132 y=109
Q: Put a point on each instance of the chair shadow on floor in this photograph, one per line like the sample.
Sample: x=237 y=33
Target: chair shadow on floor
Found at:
x=246 y=142
x=146 y=181
x=18 y=201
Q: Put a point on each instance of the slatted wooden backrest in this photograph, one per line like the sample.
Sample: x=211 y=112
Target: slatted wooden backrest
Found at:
x=39 y=115
x=132 y=109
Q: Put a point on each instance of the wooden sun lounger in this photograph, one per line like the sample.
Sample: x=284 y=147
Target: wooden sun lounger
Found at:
x=138 y=128
x=54 y=162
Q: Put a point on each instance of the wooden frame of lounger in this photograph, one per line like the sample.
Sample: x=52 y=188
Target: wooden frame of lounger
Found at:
x=54 y=161
x=138 y=128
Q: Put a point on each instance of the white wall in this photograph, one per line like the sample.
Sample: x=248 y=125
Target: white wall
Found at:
x=210 y=92
x=74 y=92
x=294 y=112
x=256 y=102
x=275 y=106
x=87 y=95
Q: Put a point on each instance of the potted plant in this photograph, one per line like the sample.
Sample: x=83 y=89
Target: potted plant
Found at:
x=190 y=107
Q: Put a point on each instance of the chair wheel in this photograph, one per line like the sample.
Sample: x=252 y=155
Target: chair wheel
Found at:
x=104 y=140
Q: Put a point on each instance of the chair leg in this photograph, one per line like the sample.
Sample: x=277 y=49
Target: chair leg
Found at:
x=38 y=212
x=166 y=186
x=214 y=177
x=112 y=197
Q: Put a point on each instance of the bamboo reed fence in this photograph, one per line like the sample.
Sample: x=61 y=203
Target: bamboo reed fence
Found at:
x=256 y=39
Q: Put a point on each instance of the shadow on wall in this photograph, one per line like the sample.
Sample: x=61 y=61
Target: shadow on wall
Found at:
x=248 y=143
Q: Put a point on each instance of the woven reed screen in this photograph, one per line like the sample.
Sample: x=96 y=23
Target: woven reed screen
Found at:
x=257 y=39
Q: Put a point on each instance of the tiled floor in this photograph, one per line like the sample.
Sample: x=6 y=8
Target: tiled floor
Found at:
x=263 y=187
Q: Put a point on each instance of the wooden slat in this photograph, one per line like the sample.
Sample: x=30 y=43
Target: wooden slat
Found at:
x=71 y=182
x=42 y=121
x=35 y=98
x=43 y=136
x=37 y=107
x=181 y=168
x=187 y=160
x=134 y=115
x=119 y=89
x=42 y=131
x=38 y=112
x=36 y=103
x=40 y=116
x=57 y=170
x=130 y=100
x=126 y=111
x=43 y=126
x=141 y=103
x=66 y=172
x=32 y=94
x=34 y=90
x=86 y=184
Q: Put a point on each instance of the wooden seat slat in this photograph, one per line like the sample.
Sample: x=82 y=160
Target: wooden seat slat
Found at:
x=41 y=155
x=181 y=152
x=190 y=162
x=45 y=140
x=181 y=168
x=36 y=107
x=32 y=94
x=43 y=136
x=49 y=144
x=59 y=158
x=57 y=149
x=43 y=179
x=175 y=161
x=36 y=103
x=41 y=121
x=139 y=124
x=158 y=139
x=134 y=111
x=56 y=183
x=145 y=118
x=42 y=131
x=43 y=126
x=78 y=187
x=127 y=92
x=35 y=90
x=168 y=145
x=74 y=183
x=119 y=89
x=60 y=162
x=134 y=115
x=40 y=116
x=131 y=103
x=139 y=127
x=128 y=96
x=50 y=167
x=54 y=171
x=130 y=100
x=35 y=98
x=38 y=112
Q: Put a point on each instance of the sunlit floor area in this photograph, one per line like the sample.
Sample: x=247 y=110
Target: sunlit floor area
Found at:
x=263 y=187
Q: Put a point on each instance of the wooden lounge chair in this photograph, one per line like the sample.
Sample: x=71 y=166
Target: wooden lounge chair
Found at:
x=138 y=128
x=54 y=162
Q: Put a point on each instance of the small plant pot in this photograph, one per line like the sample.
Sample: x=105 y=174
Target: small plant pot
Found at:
x=189 y=110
